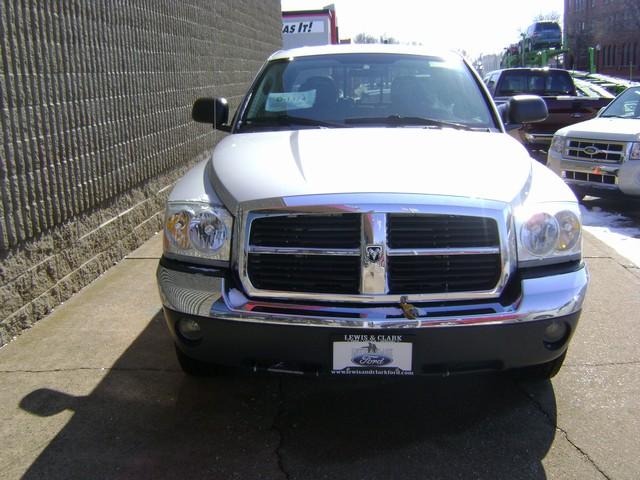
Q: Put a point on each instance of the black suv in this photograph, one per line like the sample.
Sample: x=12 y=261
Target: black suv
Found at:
x=543 y=35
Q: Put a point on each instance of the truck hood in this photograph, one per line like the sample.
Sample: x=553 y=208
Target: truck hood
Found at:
x=267 y=165
x=616 y=129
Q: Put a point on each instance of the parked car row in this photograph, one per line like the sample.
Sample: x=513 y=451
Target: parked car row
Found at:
x=590 y=141
x=557 y=89
x=601 y=156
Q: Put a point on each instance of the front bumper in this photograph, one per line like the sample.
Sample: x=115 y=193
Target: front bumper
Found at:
x=601 y=179
x=446 y=337
x=537 y=140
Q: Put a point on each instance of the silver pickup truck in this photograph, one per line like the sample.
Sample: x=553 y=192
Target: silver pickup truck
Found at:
x=368 y=215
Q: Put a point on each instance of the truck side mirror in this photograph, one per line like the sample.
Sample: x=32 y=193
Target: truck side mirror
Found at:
x=527 y=109
x=212 y=110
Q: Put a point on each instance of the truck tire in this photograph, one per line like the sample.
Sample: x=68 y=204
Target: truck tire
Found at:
x=544 y=371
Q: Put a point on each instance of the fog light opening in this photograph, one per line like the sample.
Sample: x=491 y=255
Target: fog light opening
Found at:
x=555 y=335
x=189 y=329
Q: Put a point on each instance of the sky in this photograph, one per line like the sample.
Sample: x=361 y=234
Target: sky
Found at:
x=475 y=26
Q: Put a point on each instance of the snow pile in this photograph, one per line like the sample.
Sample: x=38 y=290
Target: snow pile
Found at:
x=615 y=230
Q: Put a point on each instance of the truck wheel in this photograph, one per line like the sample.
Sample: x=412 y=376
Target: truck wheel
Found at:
x=544 y=371
x=193 y=367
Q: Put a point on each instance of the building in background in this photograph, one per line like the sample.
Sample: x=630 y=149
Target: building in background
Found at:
x=611 y=28
x=95 y=127
x=487 y=63
x=310 y=27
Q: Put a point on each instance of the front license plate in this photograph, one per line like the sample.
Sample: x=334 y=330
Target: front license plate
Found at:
x=372 y=355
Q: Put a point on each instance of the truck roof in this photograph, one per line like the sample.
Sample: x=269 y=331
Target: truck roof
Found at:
x=361 y=48
x=531 y=69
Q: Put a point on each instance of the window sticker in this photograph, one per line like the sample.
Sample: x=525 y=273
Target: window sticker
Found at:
x=283 y=101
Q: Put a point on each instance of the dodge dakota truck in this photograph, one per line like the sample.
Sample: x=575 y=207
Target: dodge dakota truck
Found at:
x=557 y=89
x=368 y=215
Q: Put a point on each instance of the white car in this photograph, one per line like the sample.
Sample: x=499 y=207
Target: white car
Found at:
x=368 y=215
x=601 y=156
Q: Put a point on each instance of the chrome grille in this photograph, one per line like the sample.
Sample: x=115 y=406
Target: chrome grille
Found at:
x=327 y=231
x=594 y=151
x=305 y=273
x=385 y=255
x=441 y=231
x=590 y=177
x=443 y=273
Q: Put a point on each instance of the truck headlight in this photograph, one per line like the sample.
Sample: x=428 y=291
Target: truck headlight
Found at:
x=549 y=233
x=539 y=234
x=558 y=143
x=199 y=231
x=634 y=154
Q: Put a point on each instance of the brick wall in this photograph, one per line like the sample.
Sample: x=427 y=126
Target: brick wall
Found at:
x=95 y=128
x=612 y=28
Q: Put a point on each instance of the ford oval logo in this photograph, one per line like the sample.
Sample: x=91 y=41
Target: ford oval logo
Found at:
x=372 y=360
x=590 y=150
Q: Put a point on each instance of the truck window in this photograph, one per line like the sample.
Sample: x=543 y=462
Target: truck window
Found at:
x=535 y=82
x=337 y=88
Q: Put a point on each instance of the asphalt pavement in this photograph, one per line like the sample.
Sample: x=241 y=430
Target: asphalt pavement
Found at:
x=94 y=391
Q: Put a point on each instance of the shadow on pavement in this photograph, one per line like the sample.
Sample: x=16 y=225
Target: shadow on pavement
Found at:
x=145 y=419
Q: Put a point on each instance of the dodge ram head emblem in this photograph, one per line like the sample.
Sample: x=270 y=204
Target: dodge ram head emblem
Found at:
x=374 y=252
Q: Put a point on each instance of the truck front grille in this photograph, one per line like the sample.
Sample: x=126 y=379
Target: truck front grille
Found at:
x=305 y=273
x=332 y=254
x=594 y=151
x=441 y=231
x=591 y=177
x=328 y=231
x=443 y=273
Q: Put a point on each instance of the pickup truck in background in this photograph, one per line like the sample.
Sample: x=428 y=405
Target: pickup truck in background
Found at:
x=559 y=92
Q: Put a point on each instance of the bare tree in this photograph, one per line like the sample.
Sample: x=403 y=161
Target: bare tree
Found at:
x=385 y=39
x=552 y=16
x=366 y=38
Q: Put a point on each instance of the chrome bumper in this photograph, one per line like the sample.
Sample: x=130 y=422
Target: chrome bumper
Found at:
x=207 y=296
x=538 y=138
x=627 y=174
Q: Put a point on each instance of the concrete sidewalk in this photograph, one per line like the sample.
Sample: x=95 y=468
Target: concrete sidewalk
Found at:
x=94 y=391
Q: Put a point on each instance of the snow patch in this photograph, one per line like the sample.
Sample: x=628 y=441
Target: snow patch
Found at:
x=615 y=230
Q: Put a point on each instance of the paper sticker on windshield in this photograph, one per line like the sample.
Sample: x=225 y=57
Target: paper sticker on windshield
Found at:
x=283 y=101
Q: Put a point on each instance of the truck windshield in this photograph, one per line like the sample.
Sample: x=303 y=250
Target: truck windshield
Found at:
x=626 y=105
x=346 y=90
x=536 y=82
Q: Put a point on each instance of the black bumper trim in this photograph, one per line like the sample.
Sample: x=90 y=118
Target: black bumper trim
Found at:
x=437 y=350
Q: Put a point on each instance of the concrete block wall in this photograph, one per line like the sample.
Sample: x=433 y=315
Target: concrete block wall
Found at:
x=95 y=128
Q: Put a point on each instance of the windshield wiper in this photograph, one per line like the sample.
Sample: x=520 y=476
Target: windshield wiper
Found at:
x=289 y=120
x=400 y=120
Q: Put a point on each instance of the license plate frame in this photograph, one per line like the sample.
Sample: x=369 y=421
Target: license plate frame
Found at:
x=372 y=354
